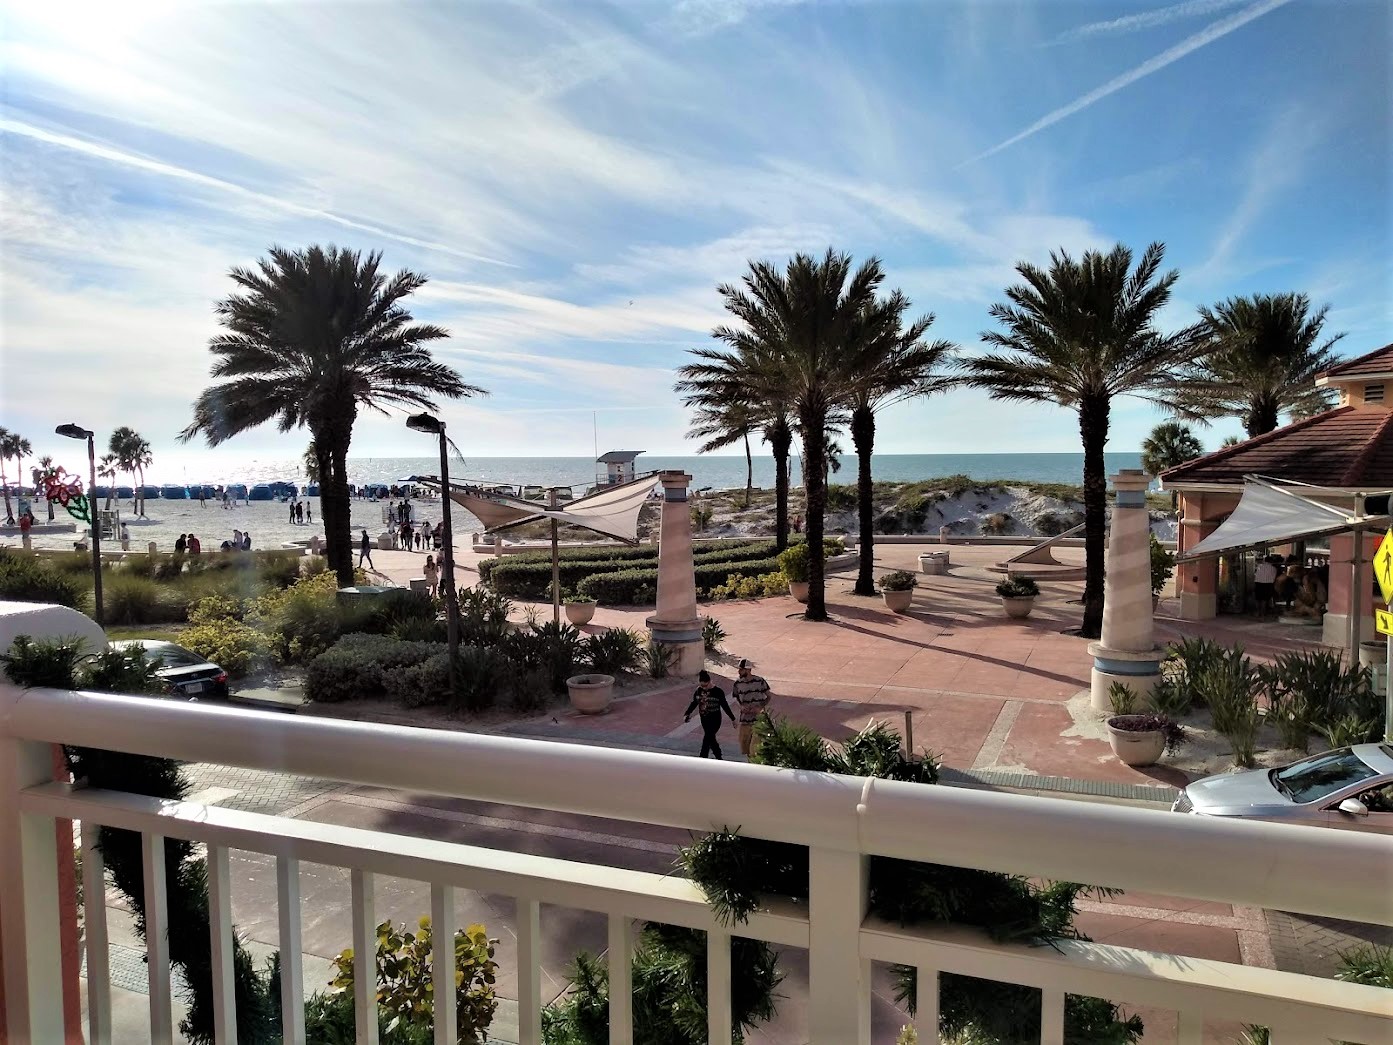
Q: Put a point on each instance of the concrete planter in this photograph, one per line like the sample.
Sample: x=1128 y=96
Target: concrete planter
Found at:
x=579 y=613
x=898 y=601
x=933 y=562
x=1018 y=607
x=591 y=694
x=799 y=590
x=1135 y=747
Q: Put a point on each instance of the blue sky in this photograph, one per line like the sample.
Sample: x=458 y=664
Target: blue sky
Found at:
x=576 y=178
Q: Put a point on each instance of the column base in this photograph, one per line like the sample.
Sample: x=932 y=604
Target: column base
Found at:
x=1334 y=630
x=1198 y=607
x=683 y=636
x=1140 y=671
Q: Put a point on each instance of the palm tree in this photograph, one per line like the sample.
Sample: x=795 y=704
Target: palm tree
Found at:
x=106 y=469
x=312 y=336
x=902 y=366
x=133 y=455
x=7 y=439
x=311 y=462
x=1168 y=445
x=19 y=448
x=800 y=333
x=1081 y=334
x=40 y=475
x=1265 y=353
x=720 y=425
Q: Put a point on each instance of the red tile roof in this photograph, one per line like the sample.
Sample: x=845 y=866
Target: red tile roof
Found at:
x=1348 y=446
x=1379 y=361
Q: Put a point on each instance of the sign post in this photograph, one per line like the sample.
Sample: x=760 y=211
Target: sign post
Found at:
x=1383 y=619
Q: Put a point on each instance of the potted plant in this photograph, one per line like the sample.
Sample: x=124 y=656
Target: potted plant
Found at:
x=897 y=588
x=793 y=561
x=1162 y=567
x=580 y=610
x=1018 y=595
x=1139 y=739
x=591 y=694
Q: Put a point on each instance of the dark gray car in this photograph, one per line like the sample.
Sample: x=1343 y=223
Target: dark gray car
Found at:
x=1350 y=787
x=186 y=673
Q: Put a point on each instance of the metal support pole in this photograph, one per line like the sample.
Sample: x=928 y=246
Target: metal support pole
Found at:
x=555 y=564
x=1388 y=687
x=1356 y=555
x=447 y=554
x=97 y=615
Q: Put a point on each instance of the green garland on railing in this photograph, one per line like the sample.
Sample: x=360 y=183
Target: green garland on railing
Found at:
x=56 y=664
x=736 y=874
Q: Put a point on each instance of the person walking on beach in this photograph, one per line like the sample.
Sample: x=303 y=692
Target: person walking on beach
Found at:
x=423 y=538
x=752 y=694
x=309 y=512
x=710 y=703
x=292 y=513
x=202 y=497
x=432 y=575
x=365 y=551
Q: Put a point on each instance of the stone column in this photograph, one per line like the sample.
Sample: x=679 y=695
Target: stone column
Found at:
x=1127 y=652
x=677 y=623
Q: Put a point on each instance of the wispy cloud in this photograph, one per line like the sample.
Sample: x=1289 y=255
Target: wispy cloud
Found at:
x=1214 y=31
x=700 y=17
x=1144 y=20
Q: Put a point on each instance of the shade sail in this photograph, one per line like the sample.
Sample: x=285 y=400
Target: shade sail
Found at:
x=1269 y=514
x=610 y=510
x=493 y=508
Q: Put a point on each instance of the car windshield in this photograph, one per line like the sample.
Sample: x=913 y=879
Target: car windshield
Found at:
x=173 y=657
x=1313 y=779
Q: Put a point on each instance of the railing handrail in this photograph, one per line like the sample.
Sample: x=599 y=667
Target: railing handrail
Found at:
x=1258 y=864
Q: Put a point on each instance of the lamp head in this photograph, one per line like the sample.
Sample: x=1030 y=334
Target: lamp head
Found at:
x=425 y=423
x=73 y=432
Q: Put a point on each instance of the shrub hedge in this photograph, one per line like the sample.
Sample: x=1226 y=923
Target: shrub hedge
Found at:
x=358 y=665
x=646 y=554
x=24 y=578
x=532 y=578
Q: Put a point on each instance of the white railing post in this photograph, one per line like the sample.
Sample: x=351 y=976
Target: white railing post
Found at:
x=157 y=939
x=95 y=937
x=926 y=988
x=29 y=909
x=364 y=958
x=220 y=940
x=292 y=961
x=529 y=972
x=839 y=982
x=718 y=1004
x=442 y=962
x=621 y=980
x=1052 y=1016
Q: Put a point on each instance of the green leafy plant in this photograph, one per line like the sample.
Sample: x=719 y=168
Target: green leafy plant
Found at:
x=658 y=658
x=614 y=651
x=483 y=616
x=405 y=984
x=1349 y=729
x=712 y=634
x=1191 y=659
x=237 y=648
x=899 y=580
x=1014 y=587
x=1371 y=965
x=23 y=578
x=1162 y=565
x=356 y=666
x=1170 y=698
x=793 y=561
x=1320 y=686
x=1123 y=698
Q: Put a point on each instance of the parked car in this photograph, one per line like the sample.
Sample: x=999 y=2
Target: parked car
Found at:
x=187 y=674
x=1350 y=787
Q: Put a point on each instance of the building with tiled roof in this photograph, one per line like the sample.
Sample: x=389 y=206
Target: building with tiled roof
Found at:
x=1346 y=450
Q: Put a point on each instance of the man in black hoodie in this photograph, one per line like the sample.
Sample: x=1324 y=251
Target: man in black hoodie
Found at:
x=709 y=702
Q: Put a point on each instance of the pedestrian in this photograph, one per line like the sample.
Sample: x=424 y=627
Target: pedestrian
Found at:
x=300 y=512
x=1263 y=579
x=309 y=512
x=247 y=541
x=195 y=546
x=710 y=703
x=125 y=534
x=181 y=545
x=236 y=543
x=432 y=574
x=751 y=692
x=424 y=535
x=365 y=550
x=203 y=497
x=292 y=513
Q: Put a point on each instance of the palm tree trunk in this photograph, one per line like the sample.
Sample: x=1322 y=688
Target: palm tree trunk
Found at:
x=1262 y=416
x=814 y=422
x=749 y=470
x=335 y=509
x=5 y=484
x=780 y=441
x=863 y=439
x=140 y=490
x=1093 y=428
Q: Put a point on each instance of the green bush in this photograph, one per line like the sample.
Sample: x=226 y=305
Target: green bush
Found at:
x=899 y=580
x=1193 y=657
x=1323 y=689
x=355 y=666
x=532 y=579
x=238 y=648
x=793 y=561
x=658 y=658
x=24 y=578
x=528 y=690
x=313 y=565
x=406 y=991
x=483 y=616
x=712 y=635
x=1162 y=565
x=483 y=673
x=129 y=599
x=1018 y=588
x=614 y=651
x=303 y=620
x=555 y=649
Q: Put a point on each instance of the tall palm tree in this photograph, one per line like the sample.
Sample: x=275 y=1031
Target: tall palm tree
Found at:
x=901 y=366
x=724 y=424
x=19 y=449
x=1080 y=334
x=6 y=440
x=1169 y=444
x=133 y=455
x=311 y=462
x=1265 y=351
x=799 y=334
x=40 y=475
x=107 y=469
x=312 y=336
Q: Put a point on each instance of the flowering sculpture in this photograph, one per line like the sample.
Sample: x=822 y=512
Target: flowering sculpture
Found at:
x=67 y=490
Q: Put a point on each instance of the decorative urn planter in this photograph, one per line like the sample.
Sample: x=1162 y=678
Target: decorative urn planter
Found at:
x=579 y=613
x=1135 y=747
x=591 y=694
x=799 y=590
x=898 y=601
x=1019 y=606
x=933 y=562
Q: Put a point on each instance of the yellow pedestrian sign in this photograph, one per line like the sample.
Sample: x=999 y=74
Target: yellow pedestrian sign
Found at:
x=1383 y=620
x=1383 y=567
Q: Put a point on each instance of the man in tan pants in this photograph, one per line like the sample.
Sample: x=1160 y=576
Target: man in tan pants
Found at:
x=752 y=694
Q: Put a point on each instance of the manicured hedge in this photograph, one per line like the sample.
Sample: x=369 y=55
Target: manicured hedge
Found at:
x=646 y=554
x=640 y=587
x=532 y=579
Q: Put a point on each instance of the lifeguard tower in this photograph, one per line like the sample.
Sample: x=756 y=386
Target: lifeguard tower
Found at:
x=619 y=467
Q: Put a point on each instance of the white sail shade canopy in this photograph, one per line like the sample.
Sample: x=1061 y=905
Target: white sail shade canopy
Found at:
x=1270 y=514
x=611 y=510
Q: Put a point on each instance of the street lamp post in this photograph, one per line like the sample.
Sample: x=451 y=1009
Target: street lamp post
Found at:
x=78 y=432
x=433 y=425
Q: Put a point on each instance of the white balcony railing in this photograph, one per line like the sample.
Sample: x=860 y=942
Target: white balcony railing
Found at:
x=841 y=820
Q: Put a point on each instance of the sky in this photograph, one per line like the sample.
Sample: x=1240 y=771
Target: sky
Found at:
x=577 y=178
